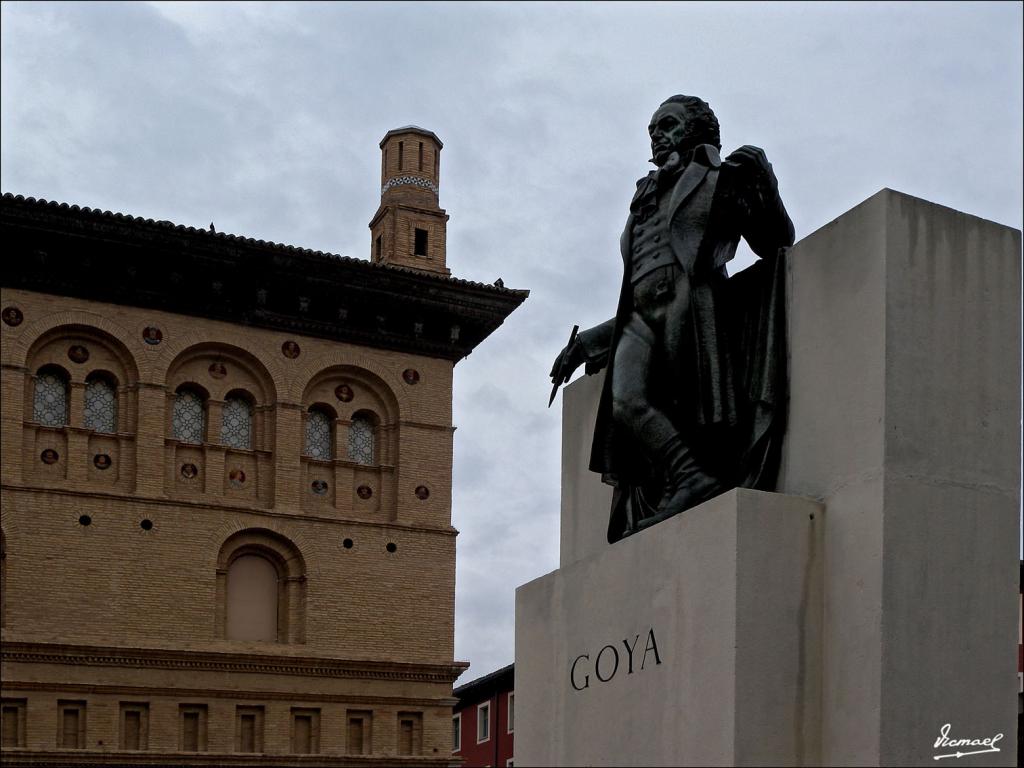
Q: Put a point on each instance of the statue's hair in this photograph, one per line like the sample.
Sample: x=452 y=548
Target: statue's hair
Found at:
x=702 y=126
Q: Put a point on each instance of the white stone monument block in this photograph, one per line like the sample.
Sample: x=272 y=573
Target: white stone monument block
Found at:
x=904 y=342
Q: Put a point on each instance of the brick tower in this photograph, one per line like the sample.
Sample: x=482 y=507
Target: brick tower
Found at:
x=408 y=229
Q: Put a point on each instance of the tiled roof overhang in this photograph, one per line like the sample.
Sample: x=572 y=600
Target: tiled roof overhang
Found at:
x=66 y=250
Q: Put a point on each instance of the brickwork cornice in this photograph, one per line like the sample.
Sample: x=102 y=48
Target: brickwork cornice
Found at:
x=158 y=658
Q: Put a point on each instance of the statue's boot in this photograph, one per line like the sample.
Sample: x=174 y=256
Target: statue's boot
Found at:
x=687 y=484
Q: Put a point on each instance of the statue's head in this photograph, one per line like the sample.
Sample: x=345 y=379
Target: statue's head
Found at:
x=680 y=124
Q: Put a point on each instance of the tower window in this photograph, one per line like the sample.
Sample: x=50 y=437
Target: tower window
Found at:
x=305 y=731
x=71 y=722
x=14 y=723
x=401 y=152
x=100 y=405
x=252 y=604
x=188 y=417
x=236 y=427
x=193 y=727
x=318 y=435
x=249 y=729
x=410 y=733
x=420 y=243
x=379 y=246
x=359 y=733
x=134 y=726
x=50 y=401
x=360 y=440
x=421 y=155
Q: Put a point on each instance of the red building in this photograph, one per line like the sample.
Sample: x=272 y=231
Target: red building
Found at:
x=484 y=720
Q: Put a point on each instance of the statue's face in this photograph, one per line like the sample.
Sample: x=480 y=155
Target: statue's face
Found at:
x=668 y=131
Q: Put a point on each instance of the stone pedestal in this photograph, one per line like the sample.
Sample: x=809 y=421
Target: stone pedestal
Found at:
x=694 y=642
x=905 y=380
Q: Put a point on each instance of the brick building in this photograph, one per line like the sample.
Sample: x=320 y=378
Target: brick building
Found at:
x=483 y=720
x=226 y=492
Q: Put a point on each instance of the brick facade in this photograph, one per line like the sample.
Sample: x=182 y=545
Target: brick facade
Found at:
x=119 y=544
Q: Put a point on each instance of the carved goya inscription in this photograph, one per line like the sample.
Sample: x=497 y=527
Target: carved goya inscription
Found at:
x=608 y=661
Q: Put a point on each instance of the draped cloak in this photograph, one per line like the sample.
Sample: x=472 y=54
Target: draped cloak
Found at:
x=724 y=386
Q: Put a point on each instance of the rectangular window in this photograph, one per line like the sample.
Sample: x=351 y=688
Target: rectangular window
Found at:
x=13 y=723
x=420 y=243
x=511 y=711
x=193 y=727
x=421 y=155
x=437 y=162
x=71 y=724
x=379 y=246
x=457 y=732
x=401 y=151
x=249 y=729
x=410 y=733
x=305 y=731
x=359 y=732
x=483 y=722
x=134 y=726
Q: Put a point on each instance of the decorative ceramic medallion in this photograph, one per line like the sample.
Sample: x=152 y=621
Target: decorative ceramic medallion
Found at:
x=218 y=370
x=102 y=461
x=12 y=316
x=344 y=393
x=319 y=487
x=78 y=354
x=152 y=335
x=49 y=456
x=237 y=478
x=364 y=491
x=189 y=471
x=411 y=376
x=422 y=492
x=290 y=349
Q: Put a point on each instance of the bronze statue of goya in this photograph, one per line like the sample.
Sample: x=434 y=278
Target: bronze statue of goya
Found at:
x=695 y=391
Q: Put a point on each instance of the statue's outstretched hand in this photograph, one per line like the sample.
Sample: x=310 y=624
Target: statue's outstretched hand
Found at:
x=568 y=360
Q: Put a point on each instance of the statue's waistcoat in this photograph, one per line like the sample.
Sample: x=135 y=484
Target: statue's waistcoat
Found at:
x=650 y=247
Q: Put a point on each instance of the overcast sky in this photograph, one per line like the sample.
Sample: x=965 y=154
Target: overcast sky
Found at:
x=266 y=119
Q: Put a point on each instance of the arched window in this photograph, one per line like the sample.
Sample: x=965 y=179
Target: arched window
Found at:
x=189 y=416
x=318 y=434
x=50 y=400
x=100 y=405
x=360 y=439
x=252 y=599
x=261 y=588
x=236 y=424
